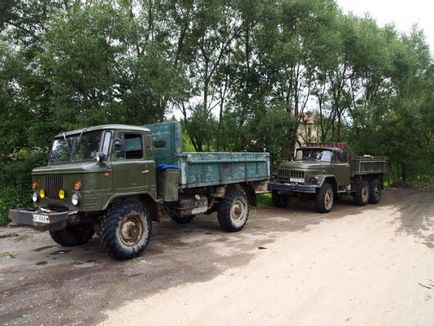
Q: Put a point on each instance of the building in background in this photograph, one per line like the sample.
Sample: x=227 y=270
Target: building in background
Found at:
x=307 y=129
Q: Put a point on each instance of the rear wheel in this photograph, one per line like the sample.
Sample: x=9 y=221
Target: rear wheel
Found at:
x=361 y=196
x=73 y=235
x=233 y=211
x=324 y=198
x=126 y=230
x=375 y=191
x=279 y=200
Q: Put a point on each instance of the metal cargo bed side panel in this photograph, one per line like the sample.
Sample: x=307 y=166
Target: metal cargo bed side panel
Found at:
x=369 y=165
x=210 y=169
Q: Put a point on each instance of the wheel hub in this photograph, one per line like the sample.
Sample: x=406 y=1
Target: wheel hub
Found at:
x=365 y=194
x=328 y=199
x=237 y=211
x=131 y=230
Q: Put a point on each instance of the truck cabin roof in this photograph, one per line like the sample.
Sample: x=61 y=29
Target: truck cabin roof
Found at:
x=321 y=148
x=104 y=127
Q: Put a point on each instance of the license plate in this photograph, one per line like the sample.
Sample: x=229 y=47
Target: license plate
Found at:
x=298 y=180
x=41 y=218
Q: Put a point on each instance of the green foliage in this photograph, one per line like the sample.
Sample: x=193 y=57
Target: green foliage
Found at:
x=238 y=74
x=264 y=200
x=16 y=180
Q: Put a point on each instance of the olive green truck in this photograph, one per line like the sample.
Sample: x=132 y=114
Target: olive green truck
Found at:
x=324 y=171
x=114 y=180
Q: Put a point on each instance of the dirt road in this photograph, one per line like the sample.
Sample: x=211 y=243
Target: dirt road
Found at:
x=354 y=266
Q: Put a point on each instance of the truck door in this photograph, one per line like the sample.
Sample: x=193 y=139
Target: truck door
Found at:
x=132 y=171
x=341 y=169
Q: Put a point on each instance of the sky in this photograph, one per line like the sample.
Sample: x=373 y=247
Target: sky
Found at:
x=404 y=14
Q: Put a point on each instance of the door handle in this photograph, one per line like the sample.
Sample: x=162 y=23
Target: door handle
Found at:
x=145 y=171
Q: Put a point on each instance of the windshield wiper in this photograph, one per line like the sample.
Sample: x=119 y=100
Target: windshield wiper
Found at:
x=79 y=137
x=69 y=146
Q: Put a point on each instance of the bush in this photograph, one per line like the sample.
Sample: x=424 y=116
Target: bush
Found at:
x=15 y=181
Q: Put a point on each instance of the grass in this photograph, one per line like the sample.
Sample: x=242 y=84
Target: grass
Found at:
x=413 y=181
x=264 y=200
x=6 y=254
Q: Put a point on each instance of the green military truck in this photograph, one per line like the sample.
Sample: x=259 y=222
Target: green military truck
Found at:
x=324 y=171
x=114 y=180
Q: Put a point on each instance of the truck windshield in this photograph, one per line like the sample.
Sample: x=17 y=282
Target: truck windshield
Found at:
x=322 y=155
x=75 y=147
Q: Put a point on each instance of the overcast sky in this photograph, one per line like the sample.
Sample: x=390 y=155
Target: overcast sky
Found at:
x=404 y=14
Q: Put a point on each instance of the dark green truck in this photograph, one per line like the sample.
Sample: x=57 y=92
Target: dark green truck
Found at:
x=324 y=171
x=114 y=180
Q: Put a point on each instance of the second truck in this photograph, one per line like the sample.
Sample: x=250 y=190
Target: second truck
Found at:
x=324 y=171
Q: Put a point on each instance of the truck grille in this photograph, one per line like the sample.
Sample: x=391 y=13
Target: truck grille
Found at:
x=54 y=184
x=291 y=174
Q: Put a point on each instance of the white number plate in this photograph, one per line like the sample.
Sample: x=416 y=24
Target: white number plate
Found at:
x=40 y=218
x=298 y=180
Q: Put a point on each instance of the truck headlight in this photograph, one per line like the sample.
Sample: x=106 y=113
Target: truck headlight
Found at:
x=75 y=198
x=35 y=196
x=313 y=180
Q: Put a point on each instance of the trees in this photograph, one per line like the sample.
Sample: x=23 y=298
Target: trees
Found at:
x=238 y=74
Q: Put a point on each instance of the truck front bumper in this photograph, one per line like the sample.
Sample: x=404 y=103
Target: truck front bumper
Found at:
x=42 y=220
x=291 y=187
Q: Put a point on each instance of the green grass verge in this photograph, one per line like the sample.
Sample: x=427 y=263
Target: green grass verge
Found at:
x=264 y=200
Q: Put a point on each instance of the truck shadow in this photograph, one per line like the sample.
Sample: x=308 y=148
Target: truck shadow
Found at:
x=46 y=283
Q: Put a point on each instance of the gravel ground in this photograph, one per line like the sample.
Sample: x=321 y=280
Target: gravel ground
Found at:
x=372 y=265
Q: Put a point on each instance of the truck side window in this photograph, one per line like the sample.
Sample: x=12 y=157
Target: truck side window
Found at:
x=133 y=146
x=340 y=157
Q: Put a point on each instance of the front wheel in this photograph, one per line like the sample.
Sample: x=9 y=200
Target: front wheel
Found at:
x=73 y=235
x=324 y=198
x=126 y=230
x=361 y=196
x=233 y=211
x=279 y=200
x=375 y=191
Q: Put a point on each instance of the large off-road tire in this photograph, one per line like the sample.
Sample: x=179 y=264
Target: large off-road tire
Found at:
x=279 y=200
x=181 y=219
x=126 y=230
x=233 y=211
x=324 y=198
x=375 y=189
x=361 y=196
x=73 y=235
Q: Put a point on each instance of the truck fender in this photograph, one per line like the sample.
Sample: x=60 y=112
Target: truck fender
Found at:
x=145 y=198
x=250 y=192
x=330 y=179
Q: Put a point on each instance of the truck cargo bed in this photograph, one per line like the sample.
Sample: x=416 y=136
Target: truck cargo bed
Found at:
x=208 y=169
x=361 y=165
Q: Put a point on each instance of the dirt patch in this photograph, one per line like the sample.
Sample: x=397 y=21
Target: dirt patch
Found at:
x=47 y=284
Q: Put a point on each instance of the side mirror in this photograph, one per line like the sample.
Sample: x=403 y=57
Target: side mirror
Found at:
x=100 y=157
x=117 y=144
